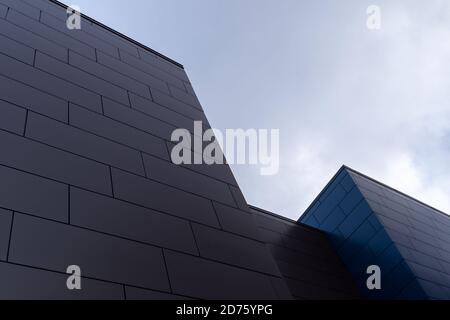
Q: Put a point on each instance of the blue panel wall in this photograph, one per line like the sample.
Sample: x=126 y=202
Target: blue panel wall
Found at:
x=361 y=239
x=420 y=233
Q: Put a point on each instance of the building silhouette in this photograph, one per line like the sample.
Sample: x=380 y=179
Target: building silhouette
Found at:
x=86 y=180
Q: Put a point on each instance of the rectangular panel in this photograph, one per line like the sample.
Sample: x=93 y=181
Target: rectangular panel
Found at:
x=115 y=217
x=23 y=7
x=237 y=221
x=81 y=78
x=128 y=70
x=163 y=64
x=157 y=196
x=228 y=248
x=116 y=131
x=150 y=69
x=12 y=117
x=162 y=113
x=33 y=99
x=49 y=83
x=85 y=144
x=137 y=119
x=26 y=193
x=24 y=283
x=80 y=35
x=111 y=38
x=48 y=7
x=199 y=278
x=51 y=34
x=32 y=40
x=178 y=106
x=109 y=75
x=55 y=246
x=37 y=158
x=17 y=50
x=188 y=180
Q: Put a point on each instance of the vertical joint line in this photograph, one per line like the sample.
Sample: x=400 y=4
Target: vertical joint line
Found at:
x=232 y=195
x=217 y=216
x=68 y=112
x=112 y=183
x=273 y=285
x=168 y=151
x=151 y=94
x=68 y=205
x=167 y=270
x=143 y=164
x=129 y=98
x=10 y=236
x=186 y=88
x=102 y=103
x=124 y=292
x=34 y=58
x=26 y=123
x=195 y=239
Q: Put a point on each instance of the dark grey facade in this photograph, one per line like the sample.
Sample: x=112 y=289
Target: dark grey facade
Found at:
x=86 y=118
x=86 y=178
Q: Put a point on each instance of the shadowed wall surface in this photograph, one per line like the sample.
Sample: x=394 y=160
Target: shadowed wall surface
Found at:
x=86 y=177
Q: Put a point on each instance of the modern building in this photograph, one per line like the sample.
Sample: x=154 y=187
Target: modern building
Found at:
x=87 y=184
x=369 y=223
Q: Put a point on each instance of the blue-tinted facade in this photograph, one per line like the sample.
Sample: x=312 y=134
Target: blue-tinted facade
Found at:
x=369 y=223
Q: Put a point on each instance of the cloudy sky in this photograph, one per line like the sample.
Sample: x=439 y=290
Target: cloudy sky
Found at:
x=375 y=100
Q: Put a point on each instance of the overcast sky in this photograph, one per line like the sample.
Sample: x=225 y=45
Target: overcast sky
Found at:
x=377 y=101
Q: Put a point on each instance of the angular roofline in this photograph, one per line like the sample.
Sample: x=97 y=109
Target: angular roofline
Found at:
x=321 y=192
x=344 y=167
x=286 y=219
x=395 y=190
x=272 y=214
x=122 y=35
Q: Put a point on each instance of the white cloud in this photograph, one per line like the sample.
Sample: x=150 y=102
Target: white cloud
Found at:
x=409 y=108
x=384 y=109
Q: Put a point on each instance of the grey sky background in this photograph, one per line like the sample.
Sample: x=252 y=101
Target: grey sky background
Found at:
x=377 y=101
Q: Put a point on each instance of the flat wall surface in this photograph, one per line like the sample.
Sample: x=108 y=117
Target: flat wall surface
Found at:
x=86 y=118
